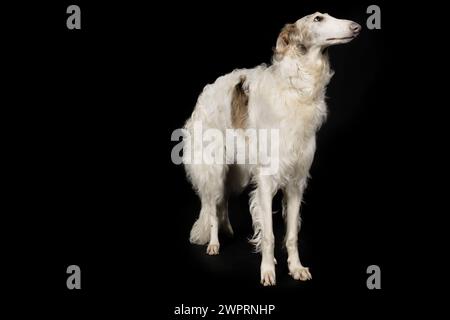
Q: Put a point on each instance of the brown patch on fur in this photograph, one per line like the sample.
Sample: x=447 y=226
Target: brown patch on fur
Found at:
x=239 y=105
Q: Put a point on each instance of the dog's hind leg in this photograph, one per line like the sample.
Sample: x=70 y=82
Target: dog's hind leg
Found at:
x=291 y=211
x=208 y=181
x=213 y=246
x=224 y=220
x=206 y=228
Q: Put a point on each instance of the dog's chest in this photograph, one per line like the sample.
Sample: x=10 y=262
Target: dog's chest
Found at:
x=301 y=120
x=297 y=139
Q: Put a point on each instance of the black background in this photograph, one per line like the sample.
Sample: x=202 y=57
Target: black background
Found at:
x=94 y=110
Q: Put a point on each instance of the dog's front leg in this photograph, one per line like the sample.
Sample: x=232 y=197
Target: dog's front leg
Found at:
x=293 y=198
x=265 y=192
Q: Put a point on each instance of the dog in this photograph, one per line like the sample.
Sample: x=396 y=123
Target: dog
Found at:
x=287 y=96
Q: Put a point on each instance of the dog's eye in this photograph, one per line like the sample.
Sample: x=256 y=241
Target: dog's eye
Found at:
x=318 y=18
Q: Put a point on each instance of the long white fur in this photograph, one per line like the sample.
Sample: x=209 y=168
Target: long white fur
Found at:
x=288 y=95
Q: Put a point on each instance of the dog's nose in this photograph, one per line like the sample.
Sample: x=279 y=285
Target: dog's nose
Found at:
x=355 y=27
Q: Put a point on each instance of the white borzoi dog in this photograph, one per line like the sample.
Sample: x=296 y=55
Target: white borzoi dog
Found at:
x=288 y=96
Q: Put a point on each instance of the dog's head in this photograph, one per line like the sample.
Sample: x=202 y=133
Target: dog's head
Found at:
x=318 y=30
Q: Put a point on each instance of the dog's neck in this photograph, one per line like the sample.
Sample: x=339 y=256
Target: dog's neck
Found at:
x=308 y=73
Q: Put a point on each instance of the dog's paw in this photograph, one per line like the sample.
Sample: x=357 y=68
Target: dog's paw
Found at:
x=301 y=273
x=213 y=249
x=268 y=276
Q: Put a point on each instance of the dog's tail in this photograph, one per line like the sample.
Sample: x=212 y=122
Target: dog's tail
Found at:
x=200 y=232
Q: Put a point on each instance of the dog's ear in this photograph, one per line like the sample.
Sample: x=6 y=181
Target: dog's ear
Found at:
x=285 y=38
x=290 y=36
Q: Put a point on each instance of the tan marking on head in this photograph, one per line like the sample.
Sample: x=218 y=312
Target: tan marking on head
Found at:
x=292 y=40
x=239 y=105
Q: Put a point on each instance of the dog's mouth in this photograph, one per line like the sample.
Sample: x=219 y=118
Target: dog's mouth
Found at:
x=344 y=38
